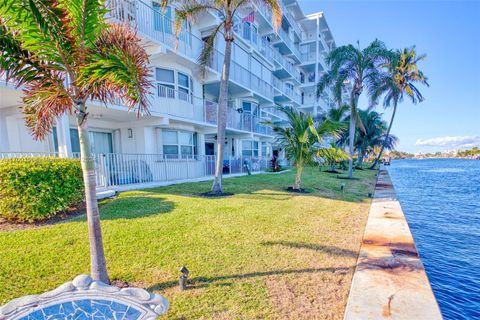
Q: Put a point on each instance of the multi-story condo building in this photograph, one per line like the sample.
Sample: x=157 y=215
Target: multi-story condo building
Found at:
x=177 y=139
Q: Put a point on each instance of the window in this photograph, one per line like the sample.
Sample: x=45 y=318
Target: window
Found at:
x=254 y=34
x=161 y=21
x=100 y=142
x=249 y=148
x=249 y=107
x=178 y=144
x=184 y=87
x=246 y=31
x=185 y=34
x=55 y=139
x=165 y=82
x=74 y=140
x=264 y=150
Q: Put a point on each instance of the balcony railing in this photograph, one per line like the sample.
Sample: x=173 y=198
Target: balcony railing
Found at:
x=237 y=120
x=291 y=45
x=153 y=24
x=286 y=64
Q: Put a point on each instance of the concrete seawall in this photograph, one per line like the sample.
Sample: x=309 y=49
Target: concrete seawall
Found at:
x=389 y=280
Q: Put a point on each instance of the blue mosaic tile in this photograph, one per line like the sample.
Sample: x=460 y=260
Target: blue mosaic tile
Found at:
x=86 y=309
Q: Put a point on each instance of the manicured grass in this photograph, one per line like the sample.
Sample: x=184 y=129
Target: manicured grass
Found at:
x=263 y=253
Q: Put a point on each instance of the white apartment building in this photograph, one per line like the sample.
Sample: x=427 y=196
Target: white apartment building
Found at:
x=177 y=139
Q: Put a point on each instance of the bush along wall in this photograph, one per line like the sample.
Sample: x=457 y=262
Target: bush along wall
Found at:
x=33 y=189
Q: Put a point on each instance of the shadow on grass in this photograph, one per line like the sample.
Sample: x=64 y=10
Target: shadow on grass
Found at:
x=204 y=282
x=312 y=246
x=132 y=207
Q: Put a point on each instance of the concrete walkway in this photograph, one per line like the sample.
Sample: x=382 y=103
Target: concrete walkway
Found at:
x=389 y=281
x=108 y=192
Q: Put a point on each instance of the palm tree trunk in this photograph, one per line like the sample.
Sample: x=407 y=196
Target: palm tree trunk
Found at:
x=222 y=117
x=386 y=136
x=360 y=157
x=98 y=265
x=298 y=177
x=351 y=140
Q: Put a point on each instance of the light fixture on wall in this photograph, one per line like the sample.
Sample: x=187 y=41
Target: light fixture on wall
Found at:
x=130 y=133
x=226 y=139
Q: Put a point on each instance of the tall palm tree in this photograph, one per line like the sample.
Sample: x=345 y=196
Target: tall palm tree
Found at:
x=300 y=137
x=63 y=53
x=373 y=134
x=359 y=67
x=400 y=80
x=188 y=10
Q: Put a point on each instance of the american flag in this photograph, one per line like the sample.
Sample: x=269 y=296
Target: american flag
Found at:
x=250 y=17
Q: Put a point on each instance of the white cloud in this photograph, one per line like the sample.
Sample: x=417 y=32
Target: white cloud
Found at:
x=458 y=142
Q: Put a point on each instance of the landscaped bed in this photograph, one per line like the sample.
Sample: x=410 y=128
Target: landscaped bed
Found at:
x=262 y=253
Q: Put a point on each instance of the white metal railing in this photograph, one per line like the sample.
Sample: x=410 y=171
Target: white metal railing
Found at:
x=287 y=65
x=9 y=155
x=290 y=44
x=308 y=56
x=115 y=169
x=153 y=24
x=291 y=20
x=243 y=121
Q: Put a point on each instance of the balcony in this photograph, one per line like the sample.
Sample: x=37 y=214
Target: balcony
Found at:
x=285 y=92
x=241 y=121
x=281 y=61
x=289 y=42
x=156 y=27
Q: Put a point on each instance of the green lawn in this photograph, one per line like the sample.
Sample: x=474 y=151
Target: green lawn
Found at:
x=263 y=253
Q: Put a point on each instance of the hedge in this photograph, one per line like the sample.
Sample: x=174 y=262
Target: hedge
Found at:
x=33 y=189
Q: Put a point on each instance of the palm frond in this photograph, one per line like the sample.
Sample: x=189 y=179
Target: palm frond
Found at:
x=44 y=101
x=118 y=67
x=85 y=20
x=208 y=50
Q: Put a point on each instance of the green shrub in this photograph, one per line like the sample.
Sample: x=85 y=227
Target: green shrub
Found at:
x=34 y=189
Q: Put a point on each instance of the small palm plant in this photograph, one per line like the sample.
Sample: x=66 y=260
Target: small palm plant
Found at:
x=300 y=137
x=63 y=53
x=188 y=10
x=400 y=80
x=361 y=67
x=372 y=135
x=332 y=156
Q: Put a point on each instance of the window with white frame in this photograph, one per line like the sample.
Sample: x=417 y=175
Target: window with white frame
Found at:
x=168 y=83
x=178 y=144
x=184 y=87
x=165 y=82
x=250 y=107
x=249 y=148
x=265 y=150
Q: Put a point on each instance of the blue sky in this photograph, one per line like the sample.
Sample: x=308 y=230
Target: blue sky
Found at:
x=449 y=33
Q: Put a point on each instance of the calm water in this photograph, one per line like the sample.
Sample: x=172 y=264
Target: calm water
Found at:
x=441 y=200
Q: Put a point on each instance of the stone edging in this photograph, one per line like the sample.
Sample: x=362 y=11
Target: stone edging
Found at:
x=390 y=281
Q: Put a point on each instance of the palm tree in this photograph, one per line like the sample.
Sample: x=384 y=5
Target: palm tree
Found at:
x=400 y=80
x=188 y=10
x=332 y=156
x=63 y=53
x=300 y=138
x=373 y=134
x=359 y=67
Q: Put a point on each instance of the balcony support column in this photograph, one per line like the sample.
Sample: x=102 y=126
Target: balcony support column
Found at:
x=317 y=62
x=63 y=136
x=4 y=145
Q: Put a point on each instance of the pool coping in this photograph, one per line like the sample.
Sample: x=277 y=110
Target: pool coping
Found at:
x=389 y=281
